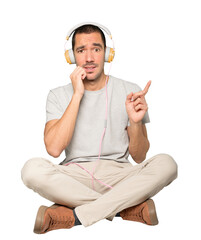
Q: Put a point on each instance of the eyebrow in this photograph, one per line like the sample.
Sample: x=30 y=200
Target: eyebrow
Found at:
x=97 y=45
x=94 y=44
x=81 y=47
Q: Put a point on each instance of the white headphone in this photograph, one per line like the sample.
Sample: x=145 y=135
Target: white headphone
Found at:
x=109 y=52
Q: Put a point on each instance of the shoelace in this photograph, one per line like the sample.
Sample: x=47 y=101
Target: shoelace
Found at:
x=137 y=215
x=66 y=221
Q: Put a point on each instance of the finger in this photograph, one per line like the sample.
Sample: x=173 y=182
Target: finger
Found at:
x=81 y=71
x=147 y=87
x=83 y=75
x=129 y=96
x=78 y=69
x=137 y=101
x=141 y=107
x=140 y=100
x=137 y=95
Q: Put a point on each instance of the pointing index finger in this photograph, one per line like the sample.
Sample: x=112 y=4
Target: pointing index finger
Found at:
x=147 y=87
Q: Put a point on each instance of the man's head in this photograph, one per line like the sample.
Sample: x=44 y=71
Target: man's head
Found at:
x=88 y=44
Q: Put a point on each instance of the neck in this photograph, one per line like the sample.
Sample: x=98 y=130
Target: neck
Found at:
x=95 y=84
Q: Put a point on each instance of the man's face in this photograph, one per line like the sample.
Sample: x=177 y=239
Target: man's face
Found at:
x=90 y=54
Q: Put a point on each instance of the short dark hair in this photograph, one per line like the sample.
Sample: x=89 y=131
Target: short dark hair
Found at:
x=88 y=29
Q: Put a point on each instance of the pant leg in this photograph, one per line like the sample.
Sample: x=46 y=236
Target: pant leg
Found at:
x=66 y=185
x=151 y=176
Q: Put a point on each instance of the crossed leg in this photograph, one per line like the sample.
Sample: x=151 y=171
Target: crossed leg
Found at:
x=71 y=186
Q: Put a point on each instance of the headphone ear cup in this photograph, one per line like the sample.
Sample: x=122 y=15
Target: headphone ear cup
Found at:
x=69 y=55
x=109 y=54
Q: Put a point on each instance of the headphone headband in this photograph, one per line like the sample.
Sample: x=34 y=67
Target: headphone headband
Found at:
x=88 y=23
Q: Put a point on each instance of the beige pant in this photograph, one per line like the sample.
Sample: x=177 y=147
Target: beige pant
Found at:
x=72 y=186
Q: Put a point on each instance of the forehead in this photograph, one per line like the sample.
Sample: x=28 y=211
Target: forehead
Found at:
x=88 y=38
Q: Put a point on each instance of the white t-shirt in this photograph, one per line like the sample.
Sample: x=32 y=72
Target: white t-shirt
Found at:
x=85 y=142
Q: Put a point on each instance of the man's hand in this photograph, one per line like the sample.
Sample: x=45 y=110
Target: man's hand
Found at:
x=136 y=105
x=77 y=77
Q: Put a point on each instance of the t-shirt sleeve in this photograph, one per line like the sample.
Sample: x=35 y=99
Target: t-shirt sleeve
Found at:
x=146 y=118
x=53 y=108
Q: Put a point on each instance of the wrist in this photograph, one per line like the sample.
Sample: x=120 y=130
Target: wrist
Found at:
x=77 y=96
x=135 y=123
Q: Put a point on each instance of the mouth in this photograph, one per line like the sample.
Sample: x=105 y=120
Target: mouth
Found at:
x=89 y=68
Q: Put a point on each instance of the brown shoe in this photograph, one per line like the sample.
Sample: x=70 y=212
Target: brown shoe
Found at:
x=54 y=217
x=144 y=213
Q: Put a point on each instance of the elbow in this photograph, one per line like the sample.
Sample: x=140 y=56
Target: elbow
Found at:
x=139 y=160
x=53 y=150
x=140 y=156
x=137 y=156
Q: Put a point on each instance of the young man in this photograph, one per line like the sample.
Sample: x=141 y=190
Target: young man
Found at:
x=75 y=120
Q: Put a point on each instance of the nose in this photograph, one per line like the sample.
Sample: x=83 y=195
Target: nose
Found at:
x=89 y=56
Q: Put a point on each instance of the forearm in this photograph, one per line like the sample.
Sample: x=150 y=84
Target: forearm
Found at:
x=58 y=137
x=139 y=144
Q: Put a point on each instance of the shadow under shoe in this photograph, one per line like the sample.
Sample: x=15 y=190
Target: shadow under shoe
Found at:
x=52 y=218
x=144 y=213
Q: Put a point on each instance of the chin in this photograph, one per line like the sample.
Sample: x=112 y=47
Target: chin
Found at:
x=91 y=77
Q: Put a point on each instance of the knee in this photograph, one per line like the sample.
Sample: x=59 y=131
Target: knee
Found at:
x=168 y=168
x=30 y=171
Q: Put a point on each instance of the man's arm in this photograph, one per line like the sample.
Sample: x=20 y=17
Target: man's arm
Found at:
x=138 y=141
x=136 y=108
x=58 y=133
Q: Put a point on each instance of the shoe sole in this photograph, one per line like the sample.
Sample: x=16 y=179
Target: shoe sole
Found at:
x=39 y=219
x=152 y=212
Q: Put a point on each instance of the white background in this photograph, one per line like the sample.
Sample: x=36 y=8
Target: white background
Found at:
x=157 y=40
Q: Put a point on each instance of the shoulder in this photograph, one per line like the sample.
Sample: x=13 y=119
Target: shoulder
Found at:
x=62 y=90
x=61 y=95
x=128 y=85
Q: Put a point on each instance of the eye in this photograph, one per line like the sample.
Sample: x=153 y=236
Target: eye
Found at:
x=97 y=49
x=80 y=51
